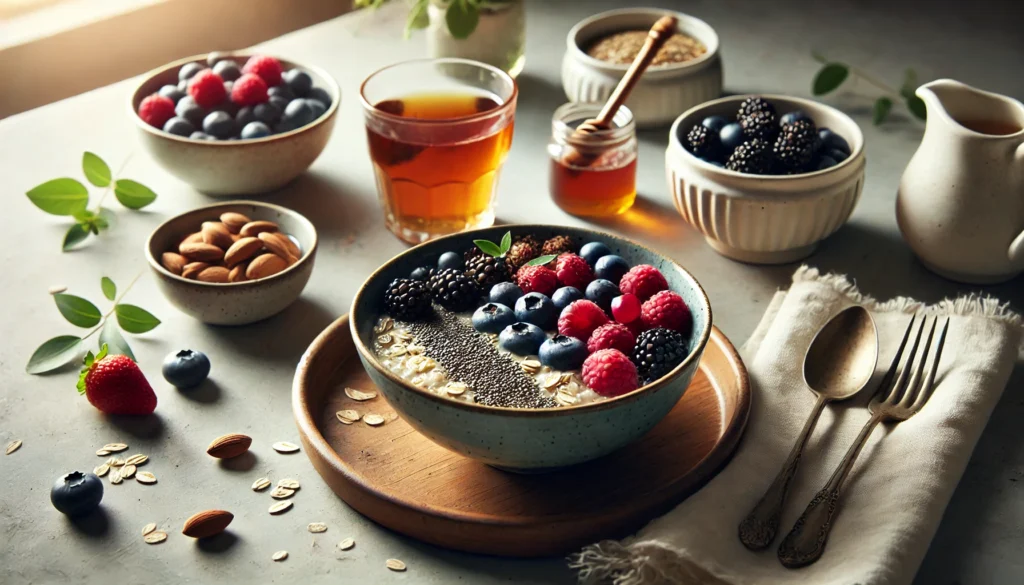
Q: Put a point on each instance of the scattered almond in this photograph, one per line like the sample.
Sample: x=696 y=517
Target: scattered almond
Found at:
x=360 y=395
x=148 y=528
x=145 y=477
x=292 y=484
x=155 y=537
x=13 y=446
x=207 y=523
x=265 y=265
x=214 y=274
x=347 y=544
x=234 y=221
x=192 y=269
x=260 y=484
x=285 y=447
x=173 y=262
x=201 y=252
x=374 y=420
x=228 y=446
x=217 y=234
x=317 y=527
x=280 y=493
x=255 y=227
x=280 y=556
x=237 y=273
x=275 y=242
x=395 y=565
x=280 y=507
x=242 y=250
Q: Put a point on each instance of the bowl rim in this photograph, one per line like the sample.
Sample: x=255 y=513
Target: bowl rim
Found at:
x=369 y=358
x=675 y=145
x=149 y=75
x=306 y=254
x=685 y=23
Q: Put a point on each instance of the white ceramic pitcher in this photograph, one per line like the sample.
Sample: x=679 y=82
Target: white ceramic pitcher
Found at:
x=960 y=204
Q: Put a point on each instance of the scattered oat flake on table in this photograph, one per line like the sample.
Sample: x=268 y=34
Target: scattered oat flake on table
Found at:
x=347 y=544
x=137 y=459
x=348 y=416
x=374 y=420
x=280 y=493
x=115 y=476
x=360 y=395
x=13 y=446
x=115 y=461
x=317 y=527
x=56 y=289
x=127 y=471
x=101 y=470
x=391 y=417
x=115 y=447
x=280 y=507
x=280 y=556
x=260 y=484
x=148 y=528
x=145 y=477
x=102 y=452
x=285 y=447
x=155 y=537
x=292 y=484
x=395 y=565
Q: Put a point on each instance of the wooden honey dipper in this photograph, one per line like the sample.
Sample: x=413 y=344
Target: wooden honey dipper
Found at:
x=656 y=37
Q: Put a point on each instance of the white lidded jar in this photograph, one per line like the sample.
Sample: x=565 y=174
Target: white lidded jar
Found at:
x=499 y=38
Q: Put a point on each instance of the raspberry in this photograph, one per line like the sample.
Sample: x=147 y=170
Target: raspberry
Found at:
x=666 y=309
x=268 y=68
x=611 y=336
x=643 y=281
x=249 y=90
x=207 y=88
x=626 y=308
x=573 y=271
x=610 y=373
x=537 y=279
x=580 y=319
x=156 y=109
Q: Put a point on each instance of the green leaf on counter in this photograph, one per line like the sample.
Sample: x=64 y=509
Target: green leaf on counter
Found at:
x=78 y=311
x=909 y=84
x=95 y=169
x=111 y=336
x=54 y=353
x=135 y=319
x=461 y=18
x=75 y=234
x=109 y=288
x=881 y=109
x=916 y=107
x=132 y=194
x=60 y=196
x=830 y=77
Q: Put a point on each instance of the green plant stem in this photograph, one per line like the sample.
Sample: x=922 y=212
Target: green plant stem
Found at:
x=117 y=300
x=113 y=179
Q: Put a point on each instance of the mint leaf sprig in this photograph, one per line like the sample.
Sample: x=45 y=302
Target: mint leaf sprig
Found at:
x=460 y=16
x=67 y=196
x=834 y=73
x=81 y=312
x=497 y=250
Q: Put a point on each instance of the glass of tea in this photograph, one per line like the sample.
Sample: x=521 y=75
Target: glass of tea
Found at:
x=439 y=131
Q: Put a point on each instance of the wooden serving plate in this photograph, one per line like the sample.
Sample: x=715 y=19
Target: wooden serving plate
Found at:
x=402 y=480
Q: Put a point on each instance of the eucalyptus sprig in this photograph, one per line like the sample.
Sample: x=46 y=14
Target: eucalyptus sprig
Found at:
x=460 y=16
x=81 y=312
x=66 y=196
x=833 y=73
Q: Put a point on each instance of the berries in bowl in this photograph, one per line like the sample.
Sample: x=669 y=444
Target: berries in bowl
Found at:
x=233 y=123
x=765 y=178
x=508 y=361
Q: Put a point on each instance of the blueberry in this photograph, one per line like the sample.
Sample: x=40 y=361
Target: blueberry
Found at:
x=255 y=130
x=216 y=57
x=714 y=123
x=835 y=153
x=186 y=368
x=451 y=260
x=281 y=90
x=421 y=273
x=492 y=318
x=506 y=293
x=188 y=108
x=731 y=136
x=601 y=292
x=592 y=251
x=296 y=115
x=228 y=70
x=267 y=113
x=521 y=338
x=179 y=126
x=244 y=116
x=793 y=116
x=536 y=308
x=825 y=162
x=563 y=353
x=219 y=124
x=76 y=493
x=280 y=102
x=611 y=268
x=183 y=86
x=298 y=81
x=565 y=296
x=831 y=140
x=198 y=135
x=172 y=92
x=189 y=70
x=318 y=108
x=320 y=95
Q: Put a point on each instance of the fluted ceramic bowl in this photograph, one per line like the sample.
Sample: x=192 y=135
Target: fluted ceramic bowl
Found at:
x=530 y=440
x=765 y=219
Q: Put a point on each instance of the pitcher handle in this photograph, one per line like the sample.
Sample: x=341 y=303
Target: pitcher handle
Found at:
x=1016 y=250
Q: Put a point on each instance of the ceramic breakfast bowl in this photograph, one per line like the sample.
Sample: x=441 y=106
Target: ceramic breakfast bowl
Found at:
x=765 y=219
x=236 y=303
x=664 y=90
x=530 y=440
x=235 y=167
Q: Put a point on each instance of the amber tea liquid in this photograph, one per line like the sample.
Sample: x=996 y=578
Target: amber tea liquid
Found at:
x=436 y=177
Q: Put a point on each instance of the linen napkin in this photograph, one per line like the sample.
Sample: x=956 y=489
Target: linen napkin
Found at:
x=893 y=500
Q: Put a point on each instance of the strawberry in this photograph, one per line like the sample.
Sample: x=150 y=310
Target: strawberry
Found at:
x=115 y=385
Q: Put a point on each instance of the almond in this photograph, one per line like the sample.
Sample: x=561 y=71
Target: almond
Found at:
x=173 y=262
x=242 y=250
x=234 y=221
x=216 y=233
x=213 y=274
x=264 y=266
x=254 y=227
x=275 y=243
x=228 y=446
x=192 y=238
x=207 y=523
x=201 y=252
x=192 y=269
x=237 y=273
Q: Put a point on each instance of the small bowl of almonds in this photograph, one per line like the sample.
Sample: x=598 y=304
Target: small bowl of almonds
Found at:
x=233 y=263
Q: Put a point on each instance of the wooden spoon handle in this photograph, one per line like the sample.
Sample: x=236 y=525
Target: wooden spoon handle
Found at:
x=659 y=33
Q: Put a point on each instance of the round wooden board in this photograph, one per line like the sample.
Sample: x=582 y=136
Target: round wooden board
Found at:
x=402 y=480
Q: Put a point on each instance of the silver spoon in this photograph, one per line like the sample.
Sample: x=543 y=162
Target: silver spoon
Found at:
x=838 y=364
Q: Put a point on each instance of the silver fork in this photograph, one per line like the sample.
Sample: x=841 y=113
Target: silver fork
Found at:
x=896 y=401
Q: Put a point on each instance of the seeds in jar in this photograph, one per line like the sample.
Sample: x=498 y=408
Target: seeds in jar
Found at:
x=623 y=47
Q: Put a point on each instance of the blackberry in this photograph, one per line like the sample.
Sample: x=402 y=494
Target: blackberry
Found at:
x=486 y=270
x=754 y=104
x=453 y=290
x=761 y=124
x=795 y=146
x=657 y=351
x=753 y=156
x=558 y=245
x=471 y=253
x=704 y=143
x=407 y=299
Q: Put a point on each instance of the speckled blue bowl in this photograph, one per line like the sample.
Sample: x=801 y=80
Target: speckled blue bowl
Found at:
x=530 y=440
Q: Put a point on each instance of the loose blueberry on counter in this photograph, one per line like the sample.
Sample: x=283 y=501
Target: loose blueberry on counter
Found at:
x=731 y=135
x=451 y=260
x=521 y=338
x=319 y=94
x=76 y=493
x=793 y=116
x=715 y=123
x=186 y=369
x=219 y=124
x=267 y=113
x=601 y=292
x=563 y=353
x=198 y=135
x=179 y=127
x=255 y=130
x=228 y=70
x=318 y=108
x=421 y=273
x=172 y=93
x=298 y=81
x=565 y=296
x=188 y=108
x=492 y=318
x=296 y=115
x=189 y=70
x=831 y=140
x=537 y=308
x=506 y=293
x=283 y=91
x=592 y=252
x=611 y=267
x=825 y=162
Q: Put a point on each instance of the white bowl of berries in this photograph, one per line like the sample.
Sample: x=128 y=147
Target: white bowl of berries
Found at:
x=765 y=178
x=235 y=123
